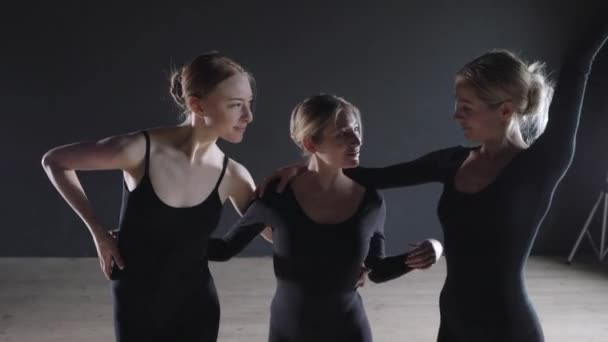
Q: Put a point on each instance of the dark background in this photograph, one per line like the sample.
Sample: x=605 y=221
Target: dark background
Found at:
x=75 y=71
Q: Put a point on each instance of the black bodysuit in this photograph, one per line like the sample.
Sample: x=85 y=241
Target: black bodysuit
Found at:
x=316 y=266
x=488 y=234
x=166 y=292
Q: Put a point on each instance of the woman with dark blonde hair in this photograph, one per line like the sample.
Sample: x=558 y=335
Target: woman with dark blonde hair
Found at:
x=325 y=228
x=176 y=180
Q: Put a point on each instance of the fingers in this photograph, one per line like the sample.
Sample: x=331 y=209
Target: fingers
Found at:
x=421 y=257
x=421 y=263
x=420 y=254
x=106 y=266
x=255 y=195
x=423 y=266
x=114 y=233
x=260 y=190
x=118 y=260
x=362 y=277
x=110 y=256
x=284 y=174
x=420 y=249
x=283 y=183
x=287 y=174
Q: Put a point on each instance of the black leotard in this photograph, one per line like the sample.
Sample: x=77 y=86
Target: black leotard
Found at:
x=166 y=292
x=316 y=266
x=488 y=235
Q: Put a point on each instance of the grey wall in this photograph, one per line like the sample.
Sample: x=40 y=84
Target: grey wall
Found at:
x=72 y=72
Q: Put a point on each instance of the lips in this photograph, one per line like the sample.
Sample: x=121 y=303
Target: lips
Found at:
x=354 y=153
x=240 y=129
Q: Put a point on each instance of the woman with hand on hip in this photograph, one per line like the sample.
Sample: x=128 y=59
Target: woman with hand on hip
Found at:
x=176 y=180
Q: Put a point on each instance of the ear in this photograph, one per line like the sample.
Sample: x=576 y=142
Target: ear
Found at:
x=196 y=105
x=309 y=145
x=506 y=111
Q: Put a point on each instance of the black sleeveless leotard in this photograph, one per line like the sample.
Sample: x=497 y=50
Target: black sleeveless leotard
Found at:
x=166 y=292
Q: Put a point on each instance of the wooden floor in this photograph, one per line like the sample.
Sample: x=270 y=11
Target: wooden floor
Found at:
x=52 y=300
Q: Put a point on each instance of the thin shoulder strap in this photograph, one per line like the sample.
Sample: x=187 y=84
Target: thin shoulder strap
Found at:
x=219 y=181
x=147 y=157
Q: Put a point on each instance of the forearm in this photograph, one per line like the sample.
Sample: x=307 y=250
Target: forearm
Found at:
x=68 y=185
x=231 y=244
x=387 y=268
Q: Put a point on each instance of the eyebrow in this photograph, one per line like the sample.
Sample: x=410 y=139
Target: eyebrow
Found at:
x=239 y=99
x=462 y=100
x=355 y=124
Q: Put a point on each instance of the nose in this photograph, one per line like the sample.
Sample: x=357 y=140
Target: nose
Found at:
x=355 y=139
x=458 y=116
x=247 y=115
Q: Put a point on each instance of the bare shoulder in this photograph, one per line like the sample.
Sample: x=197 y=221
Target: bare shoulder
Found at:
x=238 y=185
x=132 y=146
x=121 y=151
x=238 y=174
x=166 y=135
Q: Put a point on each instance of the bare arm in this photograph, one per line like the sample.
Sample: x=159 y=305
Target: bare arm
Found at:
x=241 y=192
x=124 y=152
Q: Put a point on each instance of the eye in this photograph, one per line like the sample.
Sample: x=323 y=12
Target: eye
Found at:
x=234 y=105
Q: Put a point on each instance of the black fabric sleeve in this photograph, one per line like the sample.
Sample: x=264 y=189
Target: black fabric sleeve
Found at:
x=426 y=169
x=554 y=149
x=383 y=268
x=240 y=235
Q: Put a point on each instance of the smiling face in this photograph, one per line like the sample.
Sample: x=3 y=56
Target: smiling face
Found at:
x=227 y=109
x=479 y=121
x=340 y=142
x=216 y=94
x=328 y=128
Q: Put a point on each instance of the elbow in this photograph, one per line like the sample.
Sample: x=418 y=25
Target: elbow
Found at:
x=377 y=278
x=375 y=275
x=47 y=160
x=220 y=258
x=374 y=278
x=215 y=253
x=50 y=161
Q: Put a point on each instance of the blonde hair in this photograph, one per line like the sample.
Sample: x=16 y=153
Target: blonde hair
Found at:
x=500 y=75
x=201 y=76
x=311 y=116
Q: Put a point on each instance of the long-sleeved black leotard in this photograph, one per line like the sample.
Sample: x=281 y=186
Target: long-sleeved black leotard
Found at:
x=488 y=234
x=316 y=265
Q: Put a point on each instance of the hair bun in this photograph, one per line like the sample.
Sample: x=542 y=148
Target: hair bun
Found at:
x=176 y=89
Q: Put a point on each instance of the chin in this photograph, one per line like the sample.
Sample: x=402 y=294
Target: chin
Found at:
x=233 y=138
x=468 y=136
x=348 y=164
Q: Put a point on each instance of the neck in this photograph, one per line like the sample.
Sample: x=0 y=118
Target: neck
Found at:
x=498 y=148
x=326 y=176
x=197 y=142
